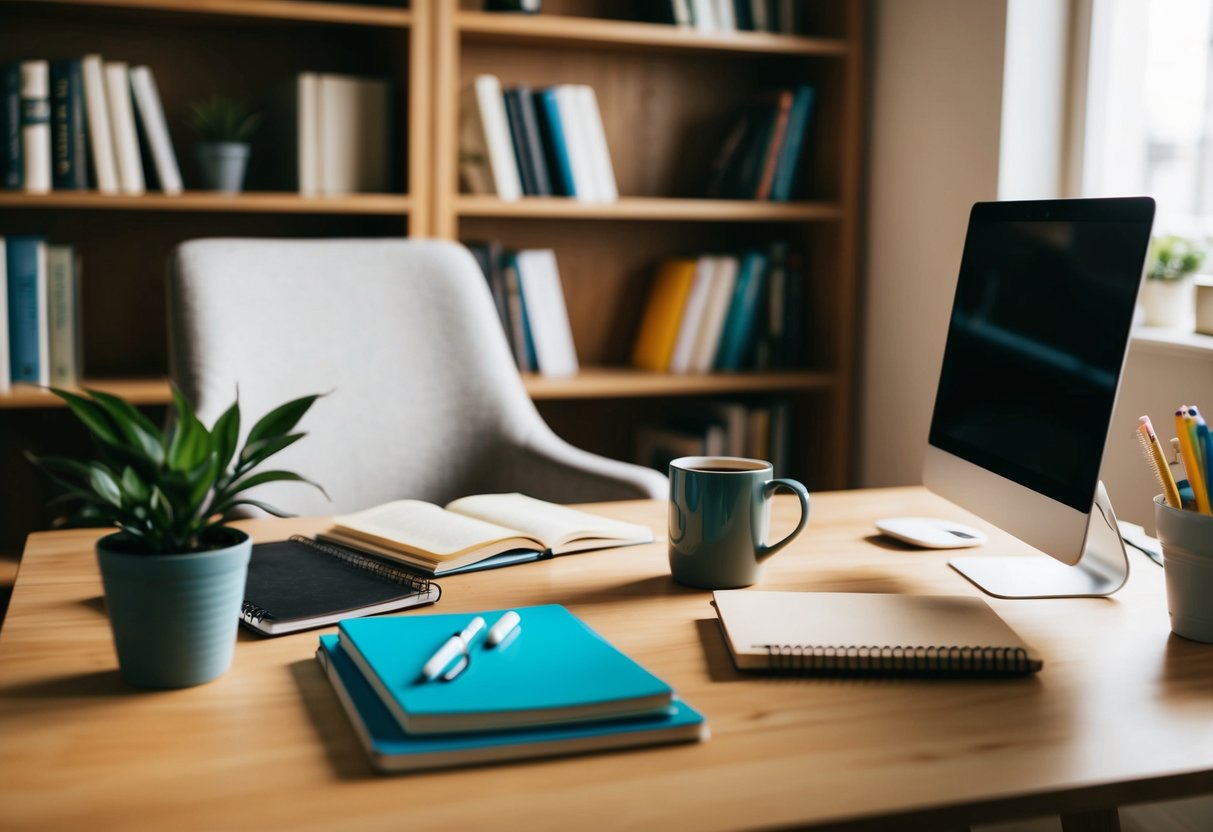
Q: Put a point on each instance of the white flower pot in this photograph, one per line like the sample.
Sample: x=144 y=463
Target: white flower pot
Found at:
x=1168 y=303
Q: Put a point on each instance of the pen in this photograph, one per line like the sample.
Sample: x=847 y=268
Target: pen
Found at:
x=1186 y=431
x=1150 y=441
x=504 y=627
x=454 y=645
x=1205 y=442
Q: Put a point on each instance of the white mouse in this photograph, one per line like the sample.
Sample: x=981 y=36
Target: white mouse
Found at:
x=931 y=532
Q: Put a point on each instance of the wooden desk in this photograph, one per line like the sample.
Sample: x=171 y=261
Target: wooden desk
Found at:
x=1121 y=713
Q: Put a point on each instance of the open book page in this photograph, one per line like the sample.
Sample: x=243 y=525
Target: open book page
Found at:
x=421 y=528
x=563 y=529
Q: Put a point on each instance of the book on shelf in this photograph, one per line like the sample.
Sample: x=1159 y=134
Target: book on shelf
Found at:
x=546 y=313
x=36 y=126
x=6 y=378
x=122 y=122
x=663 y=313
x=760 y=155
x=100 y=133
x=723 y=427
x=69 y=141
x=528 y=142
x=487 y=162
x=525 y=6
x=692 y=315
x=658 y=445
x=742 y=317
x=554 y=670
x=842 y=633
x=478 y=532
x=299 y=584
x=555 y=146
x=63 y=315
x=488 y=257
x=791 y=150
x=391 y=749
x=29 y=339
x=522 y=341
x=342 y=134
x=153 y=129
x=12 y=166
x=716 y=309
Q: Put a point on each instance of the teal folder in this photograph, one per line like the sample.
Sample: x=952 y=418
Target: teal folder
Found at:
x=555 y=669
x=392 y=749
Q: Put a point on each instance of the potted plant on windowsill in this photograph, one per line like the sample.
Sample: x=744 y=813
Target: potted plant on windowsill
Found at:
x=1167 y=294
x=174 y=572
x=224 y=127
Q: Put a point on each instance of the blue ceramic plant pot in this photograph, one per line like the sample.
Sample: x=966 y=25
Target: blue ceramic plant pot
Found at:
x=174 y=617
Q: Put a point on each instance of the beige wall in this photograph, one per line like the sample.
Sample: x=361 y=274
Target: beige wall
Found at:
x=934 y=122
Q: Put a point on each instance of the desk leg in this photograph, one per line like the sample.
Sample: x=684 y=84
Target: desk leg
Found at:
x=1103 y=820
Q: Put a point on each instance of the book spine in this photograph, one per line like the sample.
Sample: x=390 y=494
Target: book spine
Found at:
x=522 y=152
x=556 y=144
x=70 y=162
x=155 y=129
x=790 y=154
x=36 y=126
x=581 y=162
x=6 y=379
x=307 y=132
x=100 y=132
x=61 y=297
x=122 y=120
x=29 y=342
x=502 y=161
x=517 y=313
x=528 y=110
x=599 y=150
x=12 y=166
x=743 y=310
x=770 y=158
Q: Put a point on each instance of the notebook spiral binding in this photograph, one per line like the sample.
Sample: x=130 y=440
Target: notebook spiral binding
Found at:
x=252 y=613
x=894 y=660
x=371 y=564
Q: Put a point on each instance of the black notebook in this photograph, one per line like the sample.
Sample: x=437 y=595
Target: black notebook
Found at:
x=298 y=584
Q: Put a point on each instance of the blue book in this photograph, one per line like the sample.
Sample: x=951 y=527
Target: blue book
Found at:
x=390 y=748
x=69 y=153
x=29 y=337
x=12 y=165
x=793 y=144
x=743 y=312
x=554 y=144
x=553 y=670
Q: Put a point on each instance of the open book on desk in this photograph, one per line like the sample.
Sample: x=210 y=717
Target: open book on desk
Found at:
x=478 y=532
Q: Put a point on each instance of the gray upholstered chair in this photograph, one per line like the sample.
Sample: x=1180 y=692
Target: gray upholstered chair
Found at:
x=423 y=398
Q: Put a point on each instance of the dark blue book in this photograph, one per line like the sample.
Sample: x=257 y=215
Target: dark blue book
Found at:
x=533 y=140
x=390 y=748
x=12 y=166
x=560 y=170
x=788 y=166
x=743 y=312
x=69 y=148
x=522 y=153
x=29 y=341
x=521 y=341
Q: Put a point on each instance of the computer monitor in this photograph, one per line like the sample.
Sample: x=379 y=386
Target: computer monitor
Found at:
x=1035 y=349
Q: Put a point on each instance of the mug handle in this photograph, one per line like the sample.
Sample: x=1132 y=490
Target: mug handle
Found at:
x=802 y=493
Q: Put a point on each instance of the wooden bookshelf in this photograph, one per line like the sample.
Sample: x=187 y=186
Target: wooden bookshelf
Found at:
x=647 y=208
x=300 y=11
x=205 y=201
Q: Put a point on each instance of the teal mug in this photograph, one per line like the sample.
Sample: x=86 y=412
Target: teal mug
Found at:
x=720 y=514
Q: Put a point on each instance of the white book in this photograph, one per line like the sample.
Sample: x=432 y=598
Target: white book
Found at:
x=605 y=188
x=502 y=162
x=682 y=12
x=36 y=125
x=100 y=133
x=155 y=128
x=726 y=19
x=6 y=378
x=307 y=128
x=577 y=143
x=734 y=417
x=708 y=339
x=547 y=313
x=62 y=308
x=353 y=148
x=704 y=14
x=692 y=315
x=122 y=121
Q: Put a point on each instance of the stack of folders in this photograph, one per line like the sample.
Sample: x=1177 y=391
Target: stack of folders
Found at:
x=551 y=687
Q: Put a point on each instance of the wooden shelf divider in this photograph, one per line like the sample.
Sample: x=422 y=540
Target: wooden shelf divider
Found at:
x=647 y=208
x=300 y=11
x=264 y=202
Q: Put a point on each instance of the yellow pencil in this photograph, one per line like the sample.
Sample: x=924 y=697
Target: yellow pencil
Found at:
x=1196 y=476
x=1149 y=441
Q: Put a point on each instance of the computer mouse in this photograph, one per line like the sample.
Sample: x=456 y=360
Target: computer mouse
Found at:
x=931 y=532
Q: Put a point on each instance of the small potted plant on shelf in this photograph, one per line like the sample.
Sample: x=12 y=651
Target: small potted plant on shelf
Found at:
x=1167 y=295
x=174 y=572
x=224 y=127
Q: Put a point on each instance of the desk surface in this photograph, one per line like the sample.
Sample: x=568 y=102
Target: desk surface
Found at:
x=1122 y=712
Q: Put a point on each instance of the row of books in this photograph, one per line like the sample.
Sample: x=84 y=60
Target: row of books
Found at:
x=40 y=340
x=343 y=129
x=518 y=698
x=761 y=153
x=522 y=141
x=529 y=298
x=721 y=428
x=75 y=124
x=724 y=313
x=781 y=16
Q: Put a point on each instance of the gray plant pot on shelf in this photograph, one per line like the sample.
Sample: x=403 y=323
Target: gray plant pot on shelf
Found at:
x=222 y=165
x=174 y=617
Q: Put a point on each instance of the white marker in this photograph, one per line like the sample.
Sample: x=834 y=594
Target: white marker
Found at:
x=505 y=625
x=455 y=645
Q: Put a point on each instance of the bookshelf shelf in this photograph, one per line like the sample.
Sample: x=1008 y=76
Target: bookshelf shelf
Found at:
x=623 y=382
x=555 y=30
x=300 y=11
x=648 y=208
x=140 y=391
x=203 y=201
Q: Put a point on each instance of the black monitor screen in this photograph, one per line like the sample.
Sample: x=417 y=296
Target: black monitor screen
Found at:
x=1037 y=339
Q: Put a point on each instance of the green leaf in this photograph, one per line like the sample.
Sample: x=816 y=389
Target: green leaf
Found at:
x=269 y=476
x=104 y=483
x=254 y=453
x=60 y=466
x=91 y=415
x=280 y=420
x=136 y=429
x=191 y=443
x=225 y=434
x=134 y=489
x=226 y=508
x=202 y=478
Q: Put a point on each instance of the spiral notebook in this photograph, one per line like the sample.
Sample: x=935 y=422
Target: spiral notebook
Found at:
x=841 y=633
x=298 y=584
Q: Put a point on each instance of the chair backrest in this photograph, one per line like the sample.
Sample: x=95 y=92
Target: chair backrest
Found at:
x=401 y=335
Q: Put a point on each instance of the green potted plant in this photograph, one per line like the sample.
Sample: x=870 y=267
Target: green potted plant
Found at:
x=224 y=127
x=174 y=572
x=1166 y=297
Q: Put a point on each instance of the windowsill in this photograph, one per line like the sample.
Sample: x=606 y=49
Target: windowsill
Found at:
x=1171 y=341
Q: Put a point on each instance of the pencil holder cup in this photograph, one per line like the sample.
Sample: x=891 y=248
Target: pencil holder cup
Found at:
x=1187 y=554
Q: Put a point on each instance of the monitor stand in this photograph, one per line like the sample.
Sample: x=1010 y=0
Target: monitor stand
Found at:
x=1102 y=569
